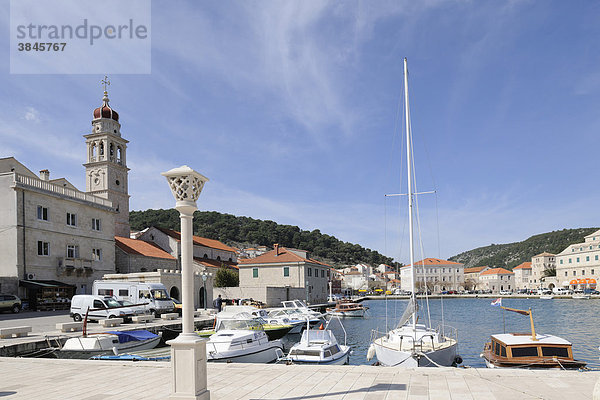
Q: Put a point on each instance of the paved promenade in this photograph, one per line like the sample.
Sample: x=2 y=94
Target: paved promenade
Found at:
x=48 y=379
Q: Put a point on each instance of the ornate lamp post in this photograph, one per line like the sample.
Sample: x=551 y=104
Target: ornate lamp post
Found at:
x=205 y=275
x=188 y=350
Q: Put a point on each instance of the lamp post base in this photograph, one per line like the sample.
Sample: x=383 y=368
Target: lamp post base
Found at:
x=188 y=360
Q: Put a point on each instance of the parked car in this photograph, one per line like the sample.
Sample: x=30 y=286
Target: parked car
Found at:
x=10 y=302
x=505 y=292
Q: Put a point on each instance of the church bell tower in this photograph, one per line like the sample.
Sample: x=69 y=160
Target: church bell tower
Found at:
x=106 y=167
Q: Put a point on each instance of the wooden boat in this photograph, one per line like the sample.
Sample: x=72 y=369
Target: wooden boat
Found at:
x=348 y=309
x=524 y=350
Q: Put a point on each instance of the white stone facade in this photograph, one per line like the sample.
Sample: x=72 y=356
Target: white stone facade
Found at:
x=497 y=280
x=434 y=274
x=539 y=264
x=51 y=231
x=578 y=266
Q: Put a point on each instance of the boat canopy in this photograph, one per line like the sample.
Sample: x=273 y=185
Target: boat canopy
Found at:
x=316 y=336
x=133 y=336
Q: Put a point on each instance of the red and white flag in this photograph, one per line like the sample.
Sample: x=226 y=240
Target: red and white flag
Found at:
x=497 y=302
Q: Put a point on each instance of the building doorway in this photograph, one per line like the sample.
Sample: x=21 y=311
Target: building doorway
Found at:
x=174 y=293
x=202 y=298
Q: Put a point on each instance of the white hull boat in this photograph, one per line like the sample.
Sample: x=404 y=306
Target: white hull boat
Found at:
x=581 y=296
x=546 y=297
x=430 y=349
x=242 y=346
x=109 y=343
x=319 y=346
x=410 y=344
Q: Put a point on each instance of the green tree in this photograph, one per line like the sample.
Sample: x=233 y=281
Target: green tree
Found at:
x=226 y=277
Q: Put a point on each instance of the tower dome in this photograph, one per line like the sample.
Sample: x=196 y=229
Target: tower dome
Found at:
x=105 y=111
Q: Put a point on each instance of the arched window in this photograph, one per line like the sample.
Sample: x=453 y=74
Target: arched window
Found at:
x=174 y=293
x=93 y=155
x=101 y=148
x=119 y=155
x=111 y=153
x=218 y=258
x=205 y=255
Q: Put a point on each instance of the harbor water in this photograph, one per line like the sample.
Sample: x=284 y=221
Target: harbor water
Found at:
x=475 y=319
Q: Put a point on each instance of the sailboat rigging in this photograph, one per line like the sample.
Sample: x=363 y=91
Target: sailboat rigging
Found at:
x=411 y=344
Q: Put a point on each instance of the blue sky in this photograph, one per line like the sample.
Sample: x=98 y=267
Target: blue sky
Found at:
x=290 y=108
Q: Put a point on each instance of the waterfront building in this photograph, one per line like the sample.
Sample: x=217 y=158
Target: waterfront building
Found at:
x=540 y=265
x=472 y=277
x=497 y=279
x=523 y=276
x=281 y=274
x=434 y=274
x=578 y=266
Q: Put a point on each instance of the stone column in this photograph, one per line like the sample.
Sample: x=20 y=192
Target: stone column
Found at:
x=188 y=350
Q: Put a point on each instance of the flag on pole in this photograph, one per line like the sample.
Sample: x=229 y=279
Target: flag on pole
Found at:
x=497 y=302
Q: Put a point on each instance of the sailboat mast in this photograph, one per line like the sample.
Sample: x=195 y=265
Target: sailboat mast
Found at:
x=410 y=190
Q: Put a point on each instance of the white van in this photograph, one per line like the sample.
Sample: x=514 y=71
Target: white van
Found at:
x=154 y=296
x=561 y=291
x=97 y=307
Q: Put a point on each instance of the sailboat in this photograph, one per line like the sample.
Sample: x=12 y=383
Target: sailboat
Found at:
x=410 y=344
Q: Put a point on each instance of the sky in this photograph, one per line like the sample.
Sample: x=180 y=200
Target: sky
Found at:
x=293 y=110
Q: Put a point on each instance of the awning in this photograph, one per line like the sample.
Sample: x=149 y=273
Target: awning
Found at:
x=583 y=281
x=44 y=284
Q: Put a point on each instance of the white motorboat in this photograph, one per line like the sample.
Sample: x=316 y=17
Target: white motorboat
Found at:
x=546 y=297
x=410 y=344
x=112 y=342
x=285 y=316
x=319 y=346
x=250 y=345
x=580 y=296
x=302 y=308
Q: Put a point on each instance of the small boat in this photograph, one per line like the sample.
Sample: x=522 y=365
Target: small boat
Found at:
x=296 y=317
x=547 y=297
x=528 y=350
x=302 y=308
x=580 y=296
x=156 y=354
x=319 y=346
x=112 y=342
x=286 y=317
x=243 y=345
x=232 y=321
x=348 y=309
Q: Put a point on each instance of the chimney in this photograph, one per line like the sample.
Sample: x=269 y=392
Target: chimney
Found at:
x=45 y=175
x=276 y=246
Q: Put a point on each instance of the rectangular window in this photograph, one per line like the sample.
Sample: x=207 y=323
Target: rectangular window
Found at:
x=43 y=248
x=592 y=272
x=322 y=273
x=97 y=254
x=105 y=292
x=123 y=292
x=255 y=272
x=71 y=219
x=596 y=257
x=574 y=273
x=286 y=271
x=569 y=261
x=587 y=258
x=96 y=226
x=310 y=272
x=555 y=352
x=524 y=352
x=72 y=251
x=566 y=274
x=42 y=213
x=562 y=261
x=583 y=272
x=577 y=259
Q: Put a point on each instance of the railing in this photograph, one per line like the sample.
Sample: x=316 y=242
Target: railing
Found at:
x=61 y=190
x=442 y=331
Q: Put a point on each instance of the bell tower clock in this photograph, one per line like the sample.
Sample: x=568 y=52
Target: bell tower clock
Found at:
x=106 y=167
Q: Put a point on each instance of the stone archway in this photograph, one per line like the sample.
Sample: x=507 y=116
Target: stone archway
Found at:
x=174 y=293
x=551 y=286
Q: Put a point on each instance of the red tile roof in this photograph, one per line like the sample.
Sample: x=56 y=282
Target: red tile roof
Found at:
x=525 y=265
x=472 y=270
x=434 y=261
x=284 y=256
x=215 y=263
x=139 y=247
x=494 y=271
x=213 y=244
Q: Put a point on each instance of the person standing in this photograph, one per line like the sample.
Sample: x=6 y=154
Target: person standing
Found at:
x=218 y=303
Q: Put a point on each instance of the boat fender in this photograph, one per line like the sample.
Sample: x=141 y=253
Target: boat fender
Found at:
x=115 y=351
x=371 y=352
x=458 y=360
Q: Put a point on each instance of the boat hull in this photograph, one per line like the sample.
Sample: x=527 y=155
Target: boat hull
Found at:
x=348 y=314
x=266 y=354
x=343 y=358
x=121 y=348
x=387 y=356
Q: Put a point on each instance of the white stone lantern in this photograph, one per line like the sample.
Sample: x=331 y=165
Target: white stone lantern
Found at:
x=188 y=350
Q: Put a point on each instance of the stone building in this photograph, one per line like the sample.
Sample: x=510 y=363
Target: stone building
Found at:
x=434 y=274
x=540 y=264
x=291 y=274
x=523 y=276
x=472 y=277
x=497 y=279
x=578 y=266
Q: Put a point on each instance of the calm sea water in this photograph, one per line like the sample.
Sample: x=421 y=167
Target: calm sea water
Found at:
x=475 y=319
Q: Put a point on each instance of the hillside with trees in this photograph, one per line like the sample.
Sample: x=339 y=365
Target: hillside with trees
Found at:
x=512 y=254
x=249 y=232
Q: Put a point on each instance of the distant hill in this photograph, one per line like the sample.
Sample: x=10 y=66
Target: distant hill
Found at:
x=249 y=232
x=512 y=254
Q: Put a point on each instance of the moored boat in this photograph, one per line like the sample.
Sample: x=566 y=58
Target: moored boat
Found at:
x=348 y=309
x=319 y=346
x=112 y=342
x=235 y=321
x=243 y=346
x=529 y=350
